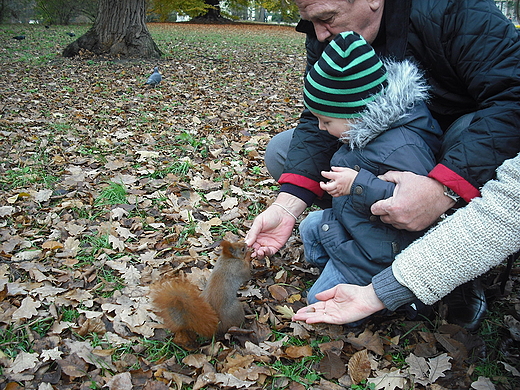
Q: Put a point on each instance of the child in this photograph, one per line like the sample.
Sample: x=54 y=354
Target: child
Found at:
x=378 y=111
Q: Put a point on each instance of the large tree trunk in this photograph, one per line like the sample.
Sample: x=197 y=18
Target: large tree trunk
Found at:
x=212 y=15
x=119 y=30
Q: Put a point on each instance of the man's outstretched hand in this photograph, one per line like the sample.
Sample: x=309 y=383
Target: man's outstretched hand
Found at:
x=272 y=228
x=418 y=201
x=342 y=304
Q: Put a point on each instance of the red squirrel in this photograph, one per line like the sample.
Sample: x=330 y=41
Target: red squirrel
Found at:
x=188 y=312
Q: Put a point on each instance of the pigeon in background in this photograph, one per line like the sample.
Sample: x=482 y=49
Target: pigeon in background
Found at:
x=155 y=78
x=19 y=37
x=71 y=34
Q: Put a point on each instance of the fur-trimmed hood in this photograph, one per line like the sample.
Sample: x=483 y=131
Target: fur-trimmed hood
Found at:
x=406 y=87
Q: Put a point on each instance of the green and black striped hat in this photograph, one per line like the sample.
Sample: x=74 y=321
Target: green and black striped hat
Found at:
x=345 y=78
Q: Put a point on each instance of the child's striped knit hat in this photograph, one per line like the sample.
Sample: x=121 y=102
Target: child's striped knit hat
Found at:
x=345 y=78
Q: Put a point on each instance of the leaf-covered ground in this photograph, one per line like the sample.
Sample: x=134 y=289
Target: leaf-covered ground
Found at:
x=108 y=186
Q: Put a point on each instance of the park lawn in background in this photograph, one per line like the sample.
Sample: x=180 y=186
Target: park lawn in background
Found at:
x=108 y=184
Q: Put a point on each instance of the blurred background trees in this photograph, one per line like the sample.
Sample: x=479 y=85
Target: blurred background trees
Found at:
x=84 y=11
x=66 y=12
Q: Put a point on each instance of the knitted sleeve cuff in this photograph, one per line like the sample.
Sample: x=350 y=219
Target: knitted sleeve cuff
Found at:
x=390 y=291
x=304 y=194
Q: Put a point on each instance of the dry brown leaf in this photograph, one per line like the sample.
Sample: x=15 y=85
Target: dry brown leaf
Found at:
x=196 y=360
x=332 y=366
x=368 y=340
x=52 y=245
x=454 y=347
x=237 y=361
x=296 y=386
x=279 y=293
x=13 y=386
x=335 y=346
x=299 y=331
x=513 y=325
x=73 y=366
x=92 y=325
x=328 y=385
x=122 y=381
x=359 y=367
x=3 y=292
x=296 y=352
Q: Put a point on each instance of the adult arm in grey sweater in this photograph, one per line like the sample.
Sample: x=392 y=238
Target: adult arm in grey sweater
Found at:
x=462 y=247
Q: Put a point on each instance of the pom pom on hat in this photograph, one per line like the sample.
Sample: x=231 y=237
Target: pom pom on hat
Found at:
x=345 y=78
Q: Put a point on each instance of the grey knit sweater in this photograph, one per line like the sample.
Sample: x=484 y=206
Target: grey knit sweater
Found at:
x=462 y=247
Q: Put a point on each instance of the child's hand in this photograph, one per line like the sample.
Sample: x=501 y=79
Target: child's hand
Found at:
x=341 y=180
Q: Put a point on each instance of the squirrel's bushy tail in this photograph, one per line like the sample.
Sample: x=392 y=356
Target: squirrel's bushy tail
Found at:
x=183 y=310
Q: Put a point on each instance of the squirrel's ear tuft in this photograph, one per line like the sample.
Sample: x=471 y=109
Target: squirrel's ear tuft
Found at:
x=226 y=248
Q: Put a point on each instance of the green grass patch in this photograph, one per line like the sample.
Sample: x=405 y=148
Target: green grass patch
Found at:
x=113 y=194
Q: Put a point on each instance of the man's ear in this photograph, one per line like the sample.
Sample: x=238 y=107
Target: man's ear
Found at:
x=375 y=4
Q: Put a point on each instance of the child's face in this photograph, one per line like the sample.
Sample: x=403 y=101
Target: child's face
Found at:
x=335 y=126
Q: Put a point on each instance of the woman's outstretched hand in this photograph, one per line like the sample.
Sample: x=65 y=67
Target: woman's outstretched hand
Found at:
x=342 y=304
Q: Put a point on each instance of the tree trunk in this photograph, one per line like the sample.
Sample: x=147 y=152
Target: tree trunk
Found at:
x=214 y=12
x=119 y=30
x=212 y=15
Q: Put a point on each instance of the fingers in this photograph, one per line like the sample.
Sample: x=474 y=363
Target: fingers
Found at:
x=339 y=169
x=327 y=294
x=392 y=176
x=327 y=186
x=380 y=207
x=328 y=175
x=252 y=234
x=311 y=314
x=260 y=252
x=312 y=308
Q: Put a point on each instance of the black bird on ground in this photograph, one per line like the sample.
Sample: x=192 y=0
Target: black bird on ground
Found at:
x=71 y=34
x=19 y=37
x=155 y=78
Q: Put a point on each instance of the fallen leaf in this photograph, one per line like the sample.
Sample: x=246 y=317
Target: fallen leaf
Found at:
x=23 y=361
x=27 y=309
x=332 y=366
x=52 y=245
x=285 y=311
x=513 y=325
x=428 y=371
x=483 y=383
x=389 y=380
x=279 y=293
x=296 y=352
x=368 y=340
x=508 y=367
x=122 y=381
x=359 y=367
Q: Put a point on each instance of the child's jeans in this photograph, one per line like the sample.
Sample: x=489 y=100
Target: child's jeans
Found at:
x=316 y=255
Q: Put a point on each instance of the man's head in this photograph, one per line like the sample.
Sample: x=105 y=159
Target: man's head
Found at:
x=331 y=17
x=347 y=76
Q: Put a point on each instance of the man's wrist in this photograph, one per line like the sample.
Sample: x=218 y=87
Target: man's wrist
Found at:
x=450 y=193
x=290 y=203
